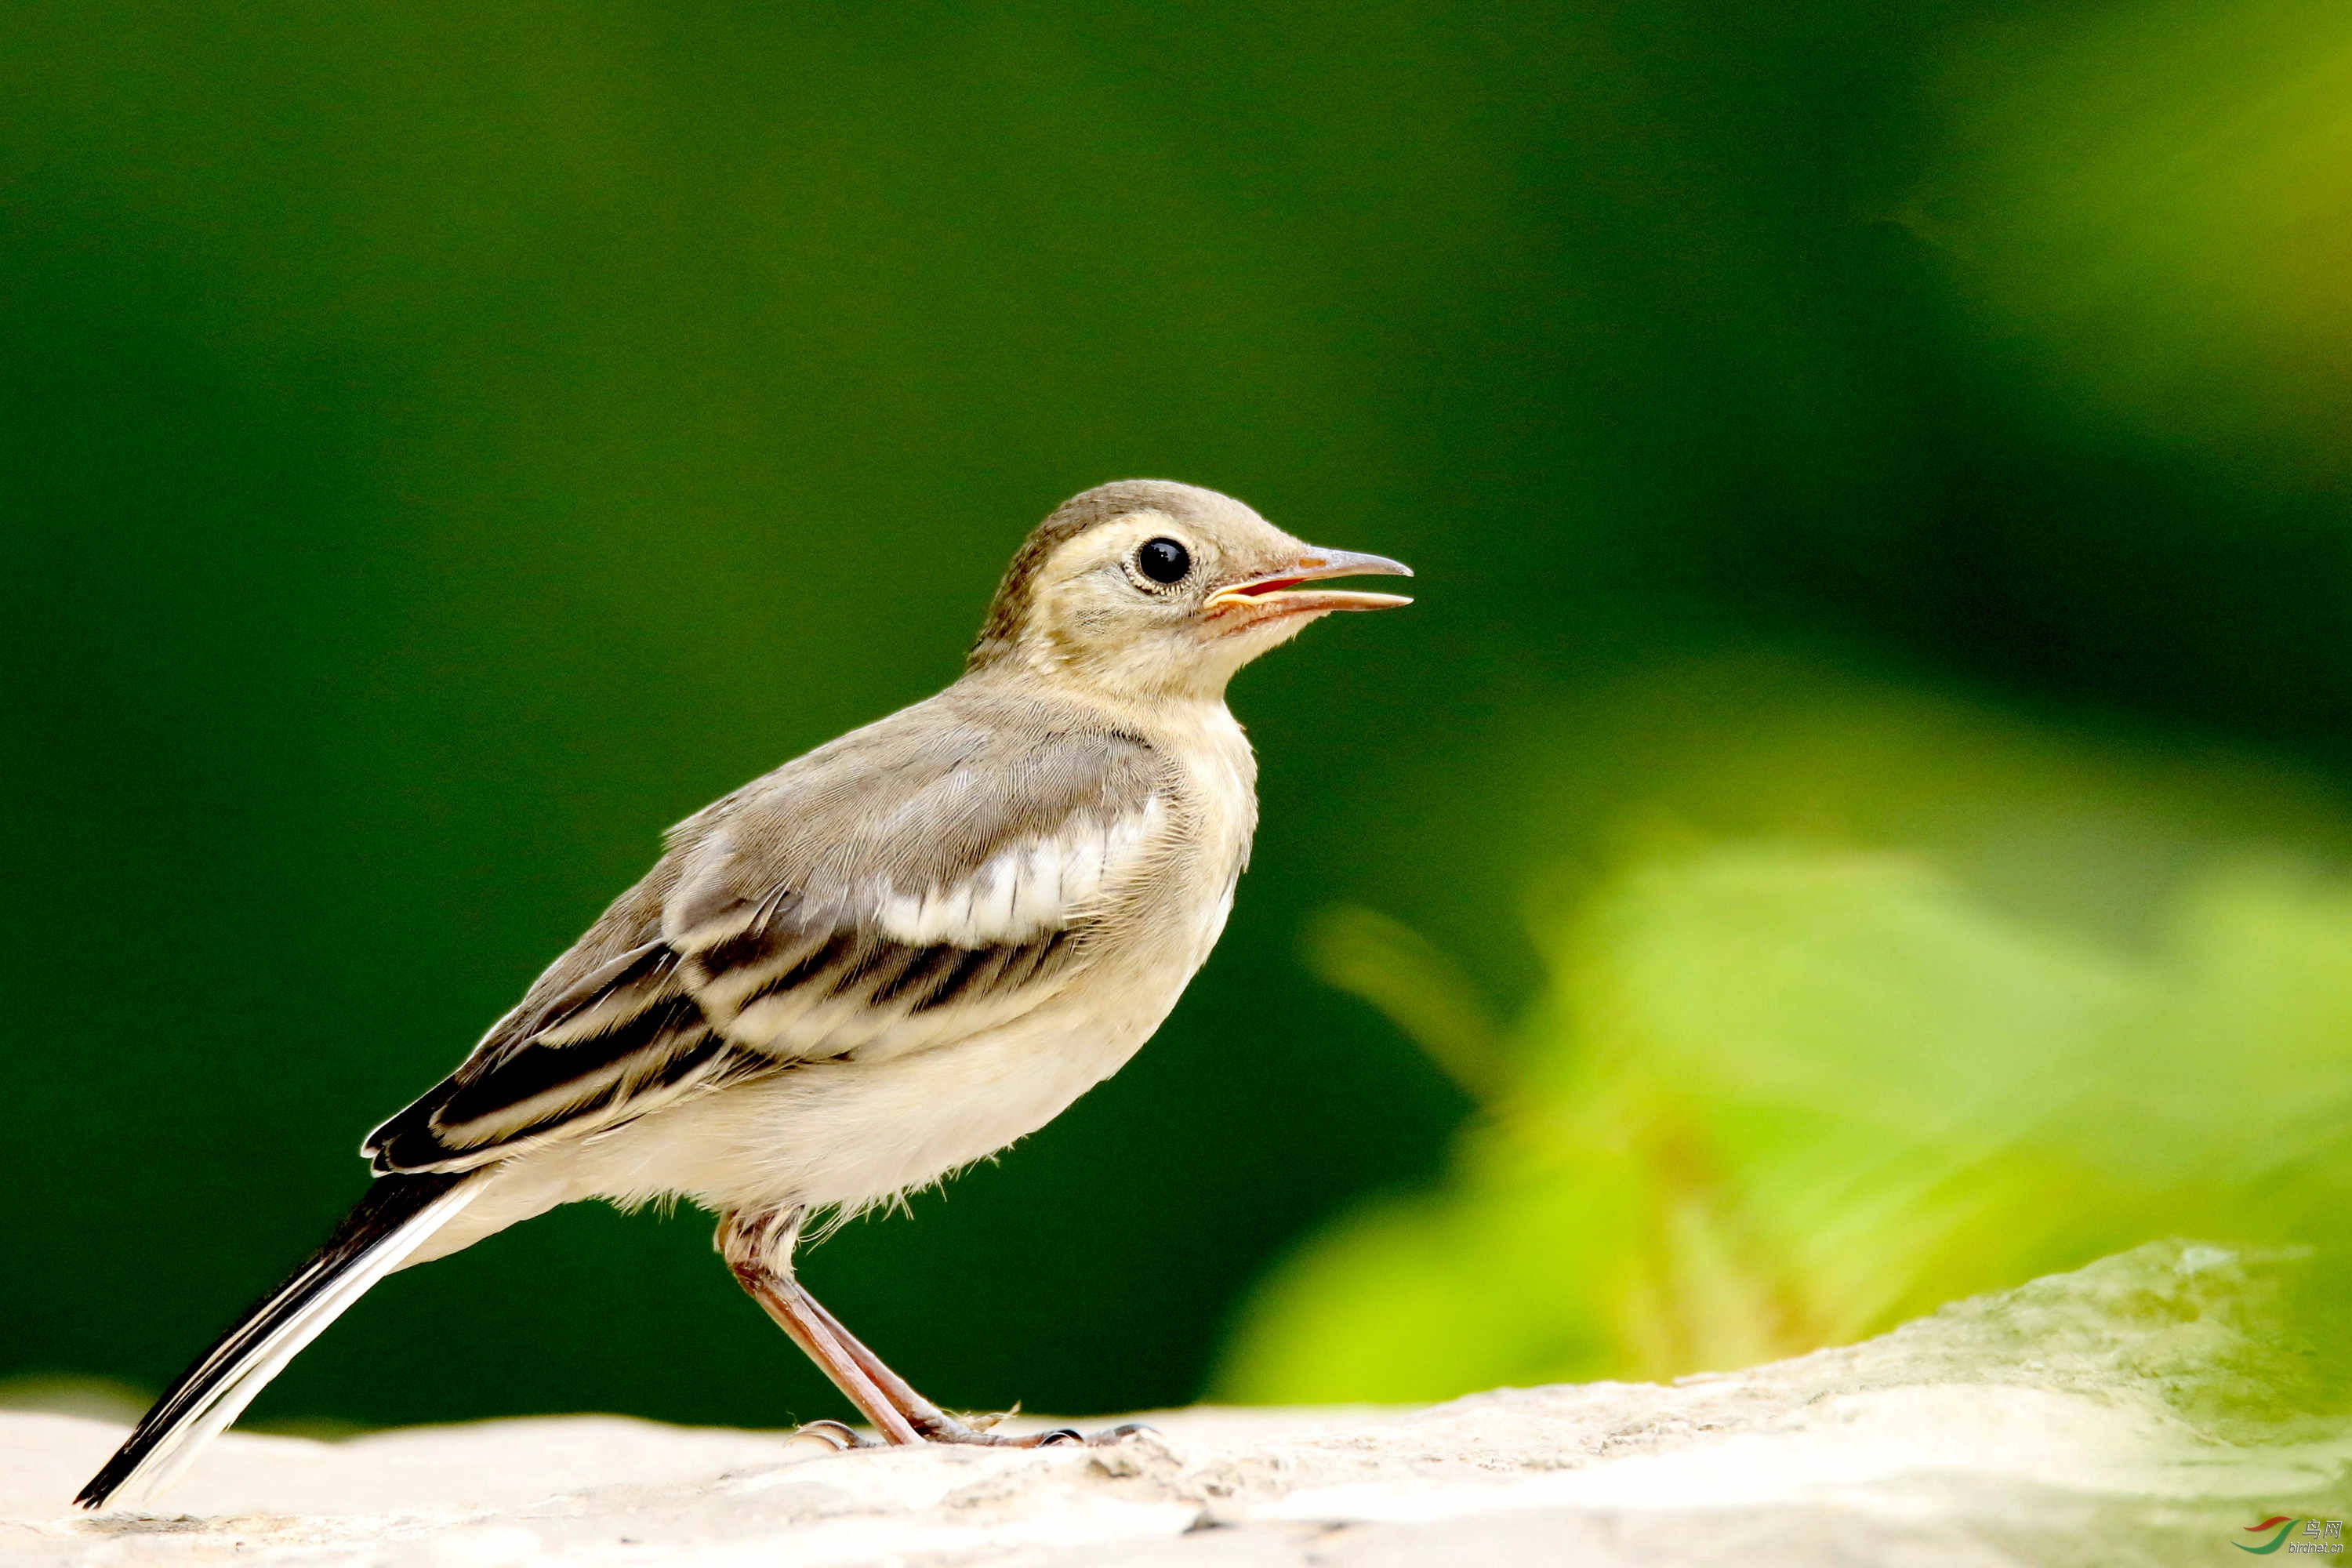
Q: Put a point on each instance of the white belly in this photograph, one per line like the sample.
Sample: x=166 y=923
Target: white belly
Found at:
x=850 y=1133
x=857 y=1133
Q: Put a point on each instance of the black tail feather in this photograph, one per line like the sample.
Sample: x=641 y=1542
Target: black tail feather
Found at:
x=390 y=1204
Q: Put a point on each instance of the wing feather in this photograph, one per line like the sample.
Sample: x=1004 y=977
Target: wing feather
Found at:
x=908 y=885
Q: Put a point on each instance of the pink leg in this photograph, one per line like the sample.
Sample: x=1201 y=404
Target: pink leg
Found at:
x=754 y=1247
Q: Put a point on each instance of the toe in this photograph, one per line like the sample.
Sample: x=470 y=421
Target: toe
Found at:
x=837 y=1434
x=1118 y=1434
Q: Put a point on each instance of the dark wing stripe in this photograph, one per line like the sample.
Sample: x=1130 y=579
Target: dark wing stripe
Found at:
x=671 y=1070
x=750 y=945
x=406 y=1141
x=646 y=968
x=522 y=1083
x=881 y=959
x=956 y=979
x=535 y=1070
x=1043 y=958
x=533 y=1086
x=709 y=1059
x=920 y=963
x=1030 y=961
x=685 y=1064
x=836 y=947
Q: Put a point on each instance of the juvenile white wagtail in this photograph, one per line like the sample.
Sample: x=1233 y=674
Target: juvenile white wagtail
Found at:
x=876 y=965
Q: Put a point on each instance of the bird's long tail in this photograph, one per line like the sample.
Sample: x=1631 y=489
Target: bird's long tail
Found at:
x=392 y=1221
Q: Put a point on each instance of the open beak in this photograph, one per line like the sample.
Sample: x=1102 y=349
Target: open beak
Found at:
x=1279 y=594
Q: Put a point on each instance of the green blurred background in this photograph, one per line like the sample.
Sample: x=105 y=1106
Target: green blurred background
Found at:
x=1868 y=768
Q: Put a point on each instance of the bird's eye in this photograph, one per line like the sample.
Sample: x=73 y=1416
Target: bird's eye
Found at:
x=1163 y=561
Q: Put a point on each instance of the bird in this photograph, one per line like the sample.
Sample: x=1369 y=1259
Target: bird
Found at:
x=884 y=960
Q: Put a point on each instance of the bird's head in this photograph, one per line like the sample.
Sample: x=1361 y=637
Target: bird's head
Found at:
x=1145 y=588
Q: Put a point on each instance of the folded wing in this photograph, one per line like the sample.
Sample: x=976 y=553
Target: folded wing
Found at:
x=910 y=885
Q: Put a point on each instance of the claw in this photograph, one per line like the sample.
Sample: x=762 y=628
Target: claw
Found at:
x=1120 y=1433
x=841 y=1435
x=945 y=1428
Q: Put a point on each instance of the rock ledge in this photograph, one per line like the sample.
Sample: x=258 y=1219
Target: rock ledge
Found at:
x=2094 y=1417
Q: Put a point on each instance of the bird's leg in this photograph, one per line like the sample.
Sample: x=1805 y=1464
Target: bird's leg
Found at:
x=749 y=1245
x=755 y=1248
x=933 y=1423
x=787 y=1304
x=936 y=1424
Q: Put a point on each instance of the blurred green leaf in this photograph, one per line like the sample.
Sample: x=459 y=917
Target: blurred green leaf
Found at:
x=1780 y=1094
x=1423 y=991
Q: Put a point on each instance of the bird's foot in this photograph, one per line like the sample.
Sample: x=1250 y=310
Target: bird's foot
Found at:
x=946 y=1429
x=839 y=1434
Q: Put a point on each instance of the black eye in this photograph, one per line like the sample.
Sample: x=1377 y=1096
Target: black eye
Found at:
x=1164 y=560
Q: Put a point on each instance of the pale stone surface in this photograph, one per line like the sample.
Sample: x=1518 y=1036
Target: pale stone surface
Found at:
x=2083 y=1419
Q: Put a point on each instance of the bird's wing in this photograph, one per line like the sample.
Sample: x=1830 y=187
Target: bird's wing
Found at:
x=909 y=885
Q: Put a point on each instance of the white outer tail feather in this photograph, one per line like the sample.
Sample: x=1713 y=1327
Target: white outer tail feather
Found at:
x=266 y=1360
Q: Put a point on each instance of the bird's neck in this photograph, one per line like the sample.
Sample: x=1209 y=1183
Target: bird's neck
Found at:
x=1132 y=680
x=1148 y=710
